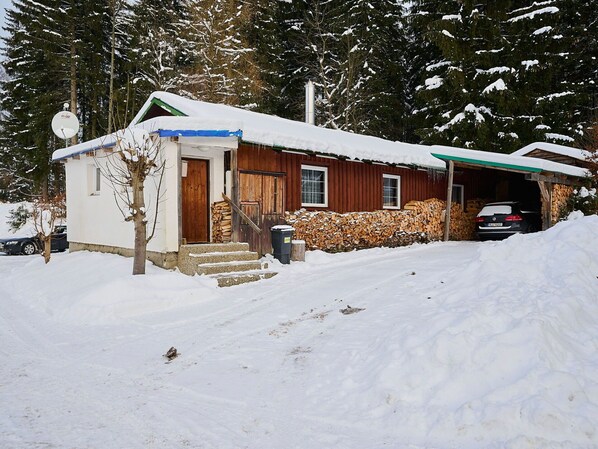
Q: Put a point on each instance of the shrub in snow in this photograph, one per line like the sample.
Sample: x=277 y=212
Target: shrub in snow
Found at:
x=583 y=201
x=17 y=217
x=44 y=213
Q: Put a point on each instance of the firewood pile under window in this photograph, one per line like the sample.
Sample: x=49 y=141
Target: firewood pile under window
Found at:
x=418 y=221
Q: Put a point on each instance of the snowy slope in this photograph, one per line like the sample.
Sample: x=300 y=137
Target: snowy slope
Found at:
x=461 y=345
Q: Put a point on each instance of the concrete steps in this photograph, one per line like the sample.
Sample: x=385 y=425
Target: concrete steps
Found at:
x=228 y=263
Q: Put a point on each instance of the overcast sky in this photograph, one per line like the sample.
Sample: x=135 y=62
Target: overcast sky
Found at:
x=3 y=5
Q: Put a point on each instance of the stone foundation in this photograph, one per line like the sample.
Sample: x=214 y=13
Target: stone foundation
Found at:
x=164 y=260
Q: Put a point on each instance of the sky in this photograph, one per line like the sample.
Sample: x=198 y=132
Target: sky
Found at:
x=3 y=5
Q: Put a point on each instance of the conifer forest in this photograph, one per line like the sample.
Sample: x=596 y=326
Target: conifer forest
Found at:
x=490 y=75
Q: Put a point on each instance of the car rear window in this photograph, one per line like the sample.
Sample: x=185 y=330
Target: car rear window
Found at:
x=494 y=210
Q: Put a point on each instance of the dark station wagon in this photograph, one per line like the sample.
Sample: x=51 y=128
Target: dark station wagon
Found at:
x=498 y=221
x=32 y=245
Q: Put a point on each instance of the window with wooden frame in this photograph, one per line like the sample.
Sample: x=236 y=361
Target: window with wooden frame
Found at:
x=458 y=195
x=391 y=191
x=314 y=186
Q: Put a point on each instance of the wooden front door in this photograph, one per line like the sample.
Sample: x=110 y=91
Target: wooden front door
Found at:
x=195 y=193
x=262 y=200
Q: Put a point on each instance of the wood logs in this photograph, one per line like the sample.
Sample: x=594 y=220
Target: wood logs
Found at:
x=298 y=251
x=221 y=222
x=560 y=195
x=418 y=221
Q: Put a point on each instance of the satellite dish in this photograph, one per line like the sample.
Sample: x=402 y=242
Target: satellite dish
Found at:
x=65 y=124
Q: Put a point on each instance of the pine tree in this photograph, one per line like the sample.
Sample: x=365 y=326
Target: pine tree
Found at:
x=277 y=33
x=543 y=96
x=580 y=31
x=158 y=54
x=499 y=75
x=464 y=95
x=373 y=87
x=36 y=89
x=353 y=51
x=223 y=68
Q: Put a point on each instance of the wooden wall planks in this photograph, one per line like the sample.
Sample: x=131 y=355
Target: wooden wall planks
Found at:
x=356 y=186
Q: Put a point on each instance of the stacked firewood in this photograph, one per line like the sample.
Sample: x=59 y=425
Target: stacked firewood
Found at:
x=419 y=221
x=221 y=222
x=560 y=195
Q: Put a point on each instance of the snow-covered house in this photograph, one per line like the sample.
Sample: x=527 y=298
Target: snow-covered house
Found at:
x=265 y=165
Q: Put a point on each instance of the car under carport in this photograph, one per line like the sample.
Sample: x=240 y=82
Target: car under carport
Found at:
x=529 y=180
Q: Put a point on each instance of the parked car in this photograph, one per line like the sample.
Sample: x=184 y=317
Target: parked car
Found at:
x=32 y=245
x=498 y=221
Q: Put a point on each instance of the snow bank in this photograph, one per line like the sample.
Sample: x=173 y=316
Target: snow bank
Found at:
x=98 y=288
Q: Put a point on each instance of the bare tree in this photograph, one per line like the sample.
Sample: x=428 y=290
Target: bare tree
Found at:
x=136 y=160
x=44 y=214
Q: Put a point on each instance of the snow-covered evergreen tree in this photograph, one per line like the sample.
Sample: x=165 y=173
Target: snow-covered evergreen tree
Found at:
x=581 y=65
x=368 y=68
x=353 y=51
x=464 y=94
x=502 y=74
x=544 y=99
x=275 y=34
x=36 y=63
x=158 y=51
x=223 y=67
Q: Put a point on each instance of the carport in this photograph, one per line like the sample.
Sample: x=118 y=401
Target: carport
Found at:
x=526 y=179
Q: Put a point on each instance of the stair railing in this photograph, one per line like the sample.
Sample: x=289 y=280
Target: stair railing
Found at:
x=242 y=214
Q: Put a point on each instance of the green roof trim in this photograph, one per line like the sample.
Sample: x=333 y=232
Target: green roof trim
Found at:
x=487 y=163
x=163 y=105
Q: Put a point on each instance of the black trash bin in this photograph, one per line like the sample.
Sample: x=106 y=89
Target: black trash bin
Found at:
x=282 y=236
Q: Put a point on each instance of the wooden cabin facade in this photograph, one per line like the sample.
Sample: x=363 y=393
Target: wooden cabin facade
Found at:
x=266 y=167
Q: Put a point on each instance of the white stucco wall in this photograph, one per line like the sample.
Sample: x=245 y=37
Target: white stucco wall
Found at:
x=96 y=219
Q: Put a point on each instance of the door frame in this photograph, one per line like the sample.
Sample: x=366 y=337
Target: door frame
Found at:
x=182 y=159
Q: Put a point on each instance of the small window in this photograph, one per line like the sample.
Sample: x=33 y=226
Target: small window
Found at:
x=314 y=186
x=94 y=179
x=458 y=195
x=391 y=192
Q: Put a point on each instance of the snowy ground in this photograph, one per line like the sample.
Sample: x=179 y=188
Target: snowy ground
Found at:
x=460 y=345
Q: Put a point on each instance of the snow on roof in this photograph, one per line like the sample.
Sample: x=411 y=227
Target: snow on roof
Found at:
x=278 y=132
x=506 y=160
x=575 y=153
x=85 y=147
x=198 y=118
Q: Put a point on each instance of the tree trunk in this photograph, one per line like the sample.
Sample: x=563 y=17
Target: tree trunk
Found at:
x=44 y=188
x=47 y=248
x=140 y=226
x=73 y=76
x=112 y=50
